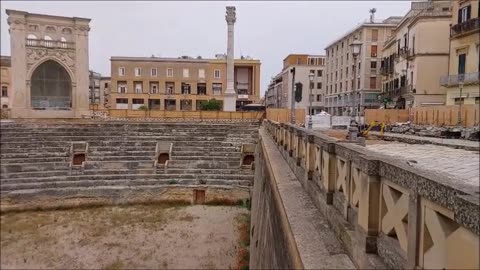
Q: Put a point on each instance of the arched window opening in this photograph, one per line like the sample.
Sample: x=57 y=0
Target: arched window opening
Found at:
x=48 y=41
x=51 y=87
x=5 y=106
x=31 y=40
x=64 y=42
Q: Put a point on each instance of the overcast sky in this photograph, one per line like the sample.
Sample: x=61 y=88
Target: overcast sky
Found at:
x=268 y=31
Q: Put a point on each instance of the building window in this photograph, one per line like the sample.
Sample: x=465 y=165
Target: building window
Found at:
x=105 y=85
x=464 y=14
x=459 y=101
x=154 y=87
x=121 y=71
x=461 y=63
x=312 y=71
x=201 y=89
x=319 y=97
x=217 y=89
x=201 y=73
x=122 y=87
x=373 y=51
x=169 y=72
x=319 y=85
x=4 y=91
x=477 y=100
x=186 y=89
x=216 y=74
x=373 y=65
x=153 y=72
x=186 y=73
x=374 y=34
x=169 y=88
x=138 y=87
x=319 y=73
x=138 y=72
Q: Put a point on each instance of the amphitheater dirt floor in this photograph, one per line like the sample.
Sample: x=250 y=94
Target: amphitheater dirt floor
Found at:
x=126 y=237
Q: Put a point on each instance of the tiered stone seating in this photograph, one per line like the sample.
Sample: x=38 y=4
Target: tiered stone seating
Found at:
x=36 y=157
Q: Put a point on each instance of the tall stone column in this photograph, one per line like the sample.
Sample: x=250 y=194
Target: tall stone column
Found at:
x=230 y=97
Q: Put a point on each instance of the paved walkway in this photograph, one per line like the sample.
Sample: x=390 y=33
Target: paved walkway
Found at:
x=457 y=143
x=462 y=164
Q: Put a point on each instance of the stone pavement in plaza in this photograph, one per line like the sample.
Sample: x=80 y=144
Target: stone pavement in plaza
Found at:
x=459 y=163
x=457 y=143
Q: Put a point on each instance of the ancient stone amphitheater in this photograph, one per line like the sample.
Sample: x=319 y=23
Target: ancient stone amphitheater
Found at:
x=60 y=162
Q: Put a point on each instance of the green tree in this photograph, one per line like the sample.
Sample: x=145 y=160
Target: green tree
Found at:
x=211 y=105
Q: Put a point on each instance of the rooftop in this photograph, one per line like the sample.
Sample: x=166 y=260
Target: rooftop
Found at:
x=391 y=21
x=178 y=59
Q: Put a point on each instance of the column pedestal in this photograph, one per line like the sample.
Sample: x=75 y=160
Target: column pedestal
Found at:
x=230 y=102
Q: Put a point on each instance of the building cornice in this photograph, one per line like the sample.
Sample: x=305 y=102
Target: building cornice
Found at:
x=357 y=28
x=180 y=60
x=36 y=15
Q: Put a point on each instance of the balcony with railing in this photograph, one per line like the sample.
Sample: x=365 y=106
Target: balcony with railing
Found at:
x=54 y=44
x=465 y=27
x=454 y=80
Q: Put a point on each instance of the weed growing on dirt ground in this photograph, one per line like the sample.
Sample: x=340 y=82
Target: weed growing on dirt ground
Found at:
x=243 y=228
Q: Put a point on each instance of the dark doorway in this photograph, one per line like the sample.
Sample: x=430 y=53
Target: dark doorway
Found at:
x=162 y=158
x=78 y=159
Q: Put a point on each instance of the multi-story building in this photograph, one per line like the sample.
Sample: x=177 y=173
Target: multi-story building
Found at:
x=279 y=93
x=5 y=80
x=356 y=84
x=274 y=95
x=94 y=88
x=105 y=92
x=462 y=83
x=180 y=83
x=416 y=55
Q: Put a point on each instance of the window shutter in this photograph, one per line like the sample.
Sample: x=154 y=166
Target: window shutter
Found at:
x=461 y=64
x=459 y=20
x=469 y=10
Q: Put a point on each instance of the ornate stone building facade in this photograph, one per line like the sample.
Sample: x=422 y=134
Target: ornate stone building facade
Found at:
x=49 y=57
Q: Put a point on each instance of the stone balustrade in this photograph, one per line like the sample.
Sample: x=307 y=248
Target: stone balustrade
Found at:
x=382 y=207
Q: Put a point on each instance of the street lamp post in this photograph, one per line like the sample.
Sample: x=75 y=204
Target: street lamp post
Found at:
x=310 y=78
x=292 y=104
x=355 y=47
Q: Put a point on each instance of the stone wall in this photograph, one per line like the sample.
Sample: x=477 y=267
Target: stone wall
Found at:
x=287 y=230
x=385 y=213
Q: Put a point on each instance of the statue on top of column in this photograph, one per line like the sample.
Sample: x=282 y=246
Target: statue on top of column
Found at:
x=231 y=15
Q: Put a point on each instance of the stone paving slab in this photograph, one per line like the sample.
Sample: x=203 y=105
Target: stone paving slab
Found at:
x=456 y=143
x=462 y=164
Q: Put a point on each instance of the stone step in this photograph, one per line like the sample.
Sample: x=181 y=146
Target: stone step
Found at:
x=206 y=158
x=207 y=153
x=101 y=132
x=122 y=182
x=35 y=174
x=197 y=148
x=32 y=154
x=121 y=152
x=45 y=146
x=111 y=165
x=199 y=171
x=125 y=176
x=33 y=167
x=100 y=157
x=201 y=164
x=29 y=160
x=174 y=139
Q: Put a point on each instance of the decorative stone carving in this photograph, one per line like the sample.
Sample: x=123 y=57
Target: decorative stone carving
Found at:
x=50 y=29
x=34 y=55
x=67 y=31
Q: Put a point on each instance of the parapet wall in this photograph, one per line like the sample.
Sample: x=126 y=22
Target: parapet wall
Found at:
x=382 y=210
